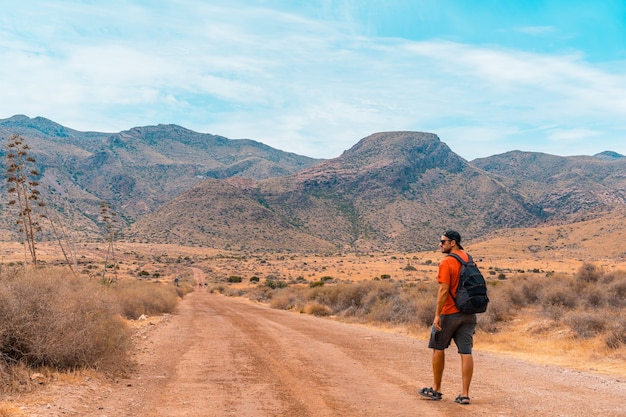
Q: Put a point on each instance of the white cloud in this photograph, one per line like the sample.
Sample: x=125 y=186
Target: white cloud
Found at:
x=537 y=30
x=572 y=135
x=302 y=85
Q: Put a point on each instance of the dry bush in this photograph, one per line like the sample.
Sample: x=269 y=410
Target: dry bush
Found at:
x=617 y=333
x=287 y=298
x=588 y=273
x=379 y=301
x=218 y=288
x=144 y=297
x=261 y=294
x=523 y=290
x=424 y=306
x=317 y=309
x=558 y=300
x=500 y=309
x=52 y=318
x=585 y=324
x=346 y=299
x=379 y=292
x=593 y=298
x=585 y=302
x=399 y=305
x=184 y=287
x=616 y=292
x=336 y=297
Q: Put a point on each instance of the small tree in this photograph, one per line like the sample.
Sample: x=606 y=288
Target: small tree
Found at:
x=22 y=186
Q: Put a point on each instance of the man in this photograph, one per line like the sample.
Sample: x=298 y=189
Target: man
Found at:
x=449 y=322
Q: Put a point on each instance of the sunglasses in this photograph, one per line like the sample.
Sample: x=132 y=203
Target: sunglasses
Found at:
x=443 y=242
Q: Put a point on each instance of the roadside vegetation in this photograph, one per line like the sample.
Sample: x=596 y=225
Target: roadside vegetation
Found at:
x=53 y=320
x=590 y=303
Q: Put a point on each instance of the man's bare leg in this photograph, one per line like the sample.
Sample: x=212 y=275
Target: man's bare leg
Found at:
x=467 y=370
x=439 y=363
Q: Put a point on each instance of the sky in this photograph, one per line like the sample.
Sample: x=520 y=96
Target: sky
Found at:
x=315 y=77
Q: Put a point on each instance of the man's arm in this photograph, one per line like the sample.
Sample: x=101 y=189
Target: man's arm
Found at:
x=442 y=296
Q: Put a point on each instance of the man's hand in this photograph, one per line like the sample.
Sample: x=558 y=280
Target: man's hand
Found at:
x=437 y=322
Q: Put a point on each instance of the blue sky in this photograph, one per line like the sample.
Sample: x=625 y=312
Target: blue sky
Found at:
x=314 y=77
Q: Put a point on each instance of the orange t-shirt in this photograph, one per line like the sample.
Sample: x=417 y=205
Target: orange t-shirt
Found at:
x=449 y=273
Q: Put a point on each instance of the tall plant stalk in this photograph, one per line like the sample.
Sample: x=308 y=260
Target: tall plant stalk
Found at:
x=22 y=181
x=109 y=217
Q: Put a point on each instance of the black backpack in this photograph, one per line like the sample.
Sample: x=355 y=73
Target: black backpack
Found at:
x=471 y=294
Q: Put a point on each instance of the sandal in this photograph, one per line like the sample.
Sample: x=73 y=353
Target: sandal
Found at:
x=430 y=393
x=462 y=400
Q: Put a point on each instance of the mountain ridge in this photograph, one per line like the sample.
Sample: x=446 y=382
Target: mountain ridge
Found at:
x=390 y=191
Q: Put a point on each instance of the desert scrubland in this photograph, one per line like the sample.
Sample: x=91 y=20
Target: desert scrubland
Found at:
x=550 y=307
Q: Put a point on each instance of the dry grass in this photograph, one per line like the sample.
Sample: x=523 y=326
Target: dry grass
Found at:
x=52 y=318
x=536 y=339
x=7 y=410
x=148 y=298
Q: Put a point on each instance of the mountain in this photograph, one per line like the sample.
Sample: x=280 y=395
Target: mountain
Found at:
x=135 y=170
x=609 y=155
x=393 y=190
x=563 y=187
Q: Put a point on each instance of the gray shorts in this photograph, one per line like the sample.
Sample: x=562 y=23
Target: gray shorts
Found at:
x=457 y=326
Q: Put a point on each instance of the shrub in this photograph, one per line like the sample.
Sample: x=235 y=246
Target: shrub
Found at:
x=594 y=298
x=617 y=291
x=261 y=294
x=498 y=311
x=424 y=307
x=286 y=299
x=317 y=309
x=348 y=296
x=234 y=279
x=149 y=298
x=52 y=318
x=617 y=334
x=274 y=283
x=586 y=325
x=522 y=290
x=588 y=273
x=565 y=298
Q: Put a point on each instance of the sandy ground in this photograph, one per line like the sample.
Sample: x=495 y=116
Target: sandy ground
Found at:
x=221 y=356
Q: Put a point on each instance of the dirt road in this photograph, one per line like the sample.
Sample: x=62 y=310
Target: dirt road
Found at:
x=222 y=356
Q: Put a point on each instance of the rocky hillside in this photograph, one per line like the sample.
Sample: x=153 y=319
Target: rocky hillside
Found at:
x=137 y=170
x=395 y=190
x=562 y=187
x=390 y=191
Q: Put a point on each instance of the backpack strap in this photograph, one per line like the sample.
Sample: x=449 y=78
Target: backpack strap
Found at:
x=458 y=258
x=463 y=263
